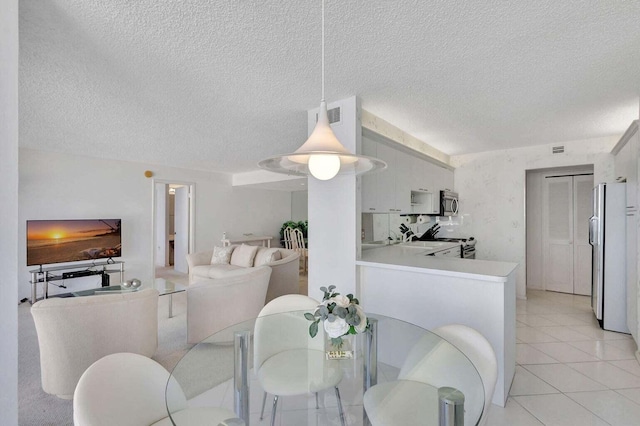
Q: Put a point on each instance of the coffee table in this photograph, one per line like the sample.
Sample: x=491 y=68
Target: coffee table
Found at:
x=166 y=287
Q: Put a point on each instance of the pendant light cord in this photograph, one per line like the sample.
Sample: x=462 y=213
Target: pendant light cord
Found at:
x=322 y=50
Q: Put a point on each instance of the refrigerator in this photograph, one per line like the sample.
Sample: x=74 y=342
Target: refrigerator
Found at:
x=607 y=236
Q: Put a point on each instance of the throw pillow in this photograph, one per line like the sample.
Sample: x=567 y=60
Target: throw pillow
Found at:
x=266 y=255
x=221 y=255
x=243 y=256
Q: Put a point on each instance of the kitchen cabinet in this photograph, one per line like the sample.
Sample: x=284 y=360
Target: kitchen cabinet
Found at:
x=390 y=191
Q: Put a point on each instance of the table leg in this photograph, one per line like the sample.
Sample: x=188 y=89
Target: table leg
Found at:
x=241 y=375
x=170 y=305
x=34 y=287
x=370 y=362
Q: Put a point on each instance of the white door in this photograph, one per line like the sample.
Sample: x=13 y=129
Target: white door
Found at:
x=558 y=233
x=181 y=236
x=582 y=206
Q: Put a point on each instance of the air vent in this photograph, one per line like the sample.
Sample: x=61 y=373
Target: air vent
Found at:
x=334 y=115
x=557 y=149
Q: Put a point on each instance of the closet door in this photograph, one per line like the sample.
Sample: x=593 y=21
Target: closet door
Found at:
x=558 y=233
x=582 y=203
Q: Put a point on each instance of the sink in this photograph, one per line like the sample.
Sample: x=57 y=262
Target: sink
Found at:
x=425 y=244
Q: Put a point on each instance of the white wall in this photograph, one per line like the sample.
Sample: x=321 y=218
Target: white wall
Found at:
x=161 y=224
x=299 y=206
x=9 y=212
x=491 y=186
x=58 y=186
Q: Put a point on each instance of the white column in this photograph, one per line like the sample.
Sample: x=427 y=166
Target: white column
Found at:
x=9 y=212
x=333 y=206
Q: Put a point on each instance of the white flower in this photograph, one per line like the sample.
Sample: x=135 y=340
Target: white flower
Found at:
x=363 y=319
x=339 y=300
x=336 y=328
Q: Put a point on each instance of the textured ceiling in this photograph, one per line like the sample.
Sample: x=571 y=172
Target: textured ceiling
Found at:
x=219 y=85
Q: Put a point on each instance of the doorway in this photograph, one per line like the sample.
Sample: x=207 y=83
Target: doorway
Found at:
x=558 y=205
x=173 y=229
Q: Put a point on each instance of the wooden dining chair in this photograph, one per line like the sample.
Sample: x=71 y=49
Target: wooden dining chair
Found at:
x=288 y=238
x=301 y=247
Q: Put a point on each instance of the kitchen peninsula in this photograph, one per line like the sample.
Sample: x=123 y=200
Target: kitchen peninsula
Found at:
x=408 y=283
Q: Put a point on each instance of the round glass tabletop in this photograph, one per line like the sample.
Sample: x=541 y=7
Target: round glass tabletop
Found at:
x=270 y=370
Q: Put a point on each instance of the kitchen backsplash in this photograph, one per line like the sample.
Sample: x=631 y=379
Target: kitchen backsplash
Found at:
x=378 y=227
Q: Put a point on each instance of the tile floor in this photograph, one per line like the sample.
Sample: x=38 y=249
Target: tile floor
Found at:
x=569 y=371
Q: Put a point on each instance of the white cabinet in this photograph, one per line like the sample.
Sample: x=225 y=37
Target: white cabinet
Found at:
x=390 y=191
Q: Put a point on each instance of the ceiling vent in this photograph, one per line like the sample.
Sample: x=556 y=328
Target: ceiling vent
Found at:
x=333 y=114
x=557 y=149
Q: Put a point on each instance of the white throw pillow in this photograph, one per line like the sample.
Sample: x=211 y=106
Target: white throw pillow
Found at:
x=221 y=255
x=244 y=255
x=266 y=255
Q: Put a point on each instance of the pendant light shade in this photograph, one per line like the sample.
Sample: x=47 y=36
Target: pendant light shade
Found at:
x=322 y=155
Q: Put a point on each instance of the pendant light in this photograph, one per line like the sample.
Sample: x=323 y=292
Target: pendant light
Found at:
x=322 y=155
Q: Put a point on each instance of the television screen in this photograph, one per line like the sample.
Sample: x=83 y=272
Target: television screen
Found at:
x=58 y=241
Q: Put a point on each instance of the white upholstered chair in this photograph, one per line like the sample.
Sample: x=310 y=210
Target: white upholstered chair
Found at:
x=287 y=360
x=127 y=389
x=433 y=363
x=213 y=305
x=75 y=332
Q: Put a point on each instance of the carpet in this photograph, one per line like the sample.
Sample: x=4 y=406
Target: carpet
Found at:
x=37 y=408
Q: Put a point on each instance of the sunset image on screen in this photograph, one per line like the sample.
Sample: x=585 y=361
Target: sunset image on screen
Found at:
x=55 y=241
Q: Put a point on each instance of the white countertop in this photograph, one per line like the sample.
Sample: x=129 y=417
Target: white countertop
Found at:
x=415 y=259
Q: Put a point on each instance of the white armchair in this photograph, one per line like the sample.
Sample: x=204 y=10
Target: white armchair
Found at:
x=126 y=389
x=75 y=332
x=213 y=305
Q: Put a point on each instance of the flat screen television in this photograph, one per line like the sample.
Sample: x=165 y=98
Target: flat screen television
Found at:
x=59 y=241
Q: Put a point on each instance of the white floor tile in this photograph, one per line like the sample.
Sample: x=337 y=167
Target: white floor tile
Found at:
x=630 y=365
x=563 y=333
x=607 y=374
x=512 y=414
x=559 y=410
x=564 y=378
x=602 y=350
x=632 y=394
x=525 y=383
x=532 y=335
x=609 y=406
x=565 y=319
x=624 y=344
x=527 y=354
x=564 y=352
x=535 y=320
x=597 y=333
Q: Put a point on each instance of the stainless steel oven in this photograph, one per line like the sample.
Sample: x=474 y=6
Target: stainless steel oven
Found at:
x=448 y=203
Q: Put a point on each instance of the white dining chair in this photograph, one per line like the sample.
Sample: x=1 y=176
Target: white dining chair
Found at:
x=301 y=247
x=128 y=389
x=287 y=360
x=288 y=238
x=464 y=361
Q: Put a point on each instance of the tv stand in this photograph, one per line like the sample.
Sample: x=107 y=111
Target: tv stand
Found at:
x=68 y=272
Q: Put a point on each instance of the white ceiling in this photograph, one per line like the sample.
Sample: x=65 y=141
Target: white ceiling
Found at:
x=219 y=85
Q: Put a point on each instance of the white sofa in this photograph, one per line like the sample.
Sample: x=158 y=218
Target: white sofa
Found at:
x=75 y=332
x=213 y=305
x=285 y=273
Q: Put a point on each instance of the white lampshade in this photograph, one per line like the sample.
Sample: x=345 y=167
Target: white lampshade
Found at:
x=322 y=155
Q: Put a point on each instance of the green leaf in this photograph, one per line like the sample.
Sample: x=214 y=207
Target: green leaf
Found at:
x=356 y=301
x=331 y=287
x=309 y=316
x=350 y=297
x=323 y=289
x=313 y=329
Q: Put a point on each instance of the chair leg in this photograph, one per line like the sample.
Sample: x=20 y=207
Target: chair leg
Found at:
x=317 y=406
x=340 y=406
x=264 y=401
x=273 y=413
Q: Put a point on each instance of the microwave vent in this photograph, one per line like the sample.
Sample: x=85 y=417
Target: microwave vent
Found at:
x=557 y=149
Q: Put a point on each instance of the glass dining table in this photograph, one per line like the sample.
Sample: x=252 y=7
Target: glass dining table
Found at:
x=396 y=373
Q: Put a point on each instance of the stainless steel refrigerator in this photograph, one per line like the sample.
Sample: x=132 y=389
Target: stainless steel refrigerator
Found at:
x=607 y=235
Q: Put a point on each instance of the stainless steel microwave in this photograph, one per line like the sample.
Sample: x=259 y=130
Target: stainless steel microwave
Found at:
x=448 y=203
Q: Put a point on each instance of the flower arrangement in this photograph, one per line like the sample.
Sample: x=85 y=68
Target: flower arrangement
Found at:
x=341 y=316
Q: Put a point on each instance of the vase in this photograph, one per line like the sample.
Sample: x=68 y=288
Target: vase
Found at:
x=343 y=351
